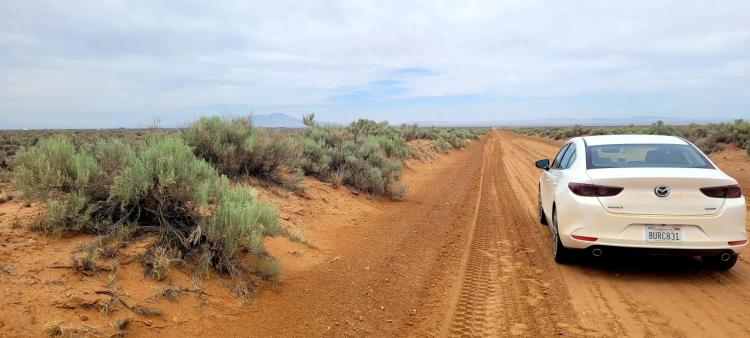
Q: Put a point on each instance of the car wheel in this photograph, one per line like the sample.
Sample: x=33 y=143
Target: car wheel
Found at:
x=561 y=253
x=542 y=216
x=722 y=262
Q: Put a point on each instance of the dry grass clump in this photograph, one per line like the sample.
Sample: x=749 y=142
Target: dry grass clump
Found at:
x=4 y=196
x=158 y=260
x=269 y=268
x=53 y=328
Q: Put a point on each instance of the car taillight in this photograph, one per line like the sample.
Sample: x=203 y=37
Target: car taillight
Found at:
x=593 y=190
x=729 y=191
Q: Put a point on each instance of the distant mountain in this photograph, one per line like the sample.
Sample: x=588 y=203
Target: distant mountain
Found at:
x=277 y=120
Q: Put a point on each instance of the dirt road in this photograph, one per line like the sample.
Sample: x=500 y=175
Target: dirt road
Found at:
x=463 y=255
x=512 y=286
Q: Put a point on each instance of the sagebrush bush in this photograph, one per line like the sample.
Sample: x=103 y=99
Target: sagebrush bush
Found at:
x=228 y=228
x=55 y=165
x=368 y=155
x=222 y=142
x=237 y=148
x=364 y=155
x=161 y=187
x=708 y=137
x=164 y=177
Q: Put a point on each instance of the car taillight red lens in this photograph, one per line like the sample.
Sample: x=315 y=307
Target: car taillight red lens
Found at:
x=729 y=191
x=593 y=190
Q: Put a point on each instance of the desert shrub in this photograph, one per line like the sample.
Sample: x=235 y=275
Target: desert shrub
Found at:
x=222 y=142
x=270 y=150
x=441 y=145
x=708 y=137
x=269 y=268
x=71 y=212
x=228 y=229
x=111 y=154
x=316 y=151
x=162 y=188
x=236 y=148
x=364 y=155
x=163 y=183
x=367 y=155
x=55 y=165
x=397 y=191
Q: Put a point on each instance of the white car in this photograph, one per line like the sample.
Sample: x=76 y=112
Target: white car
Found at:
x=642 y=193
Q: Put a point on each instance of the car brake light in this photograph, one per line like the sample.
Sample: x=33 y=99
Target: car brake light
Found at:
x=593 y=190
x=740 y=242
x=729 y=191
x=585 y=238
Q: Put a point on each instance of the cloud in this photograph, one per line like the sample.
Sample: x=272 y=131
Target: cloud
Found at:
x=120 y=63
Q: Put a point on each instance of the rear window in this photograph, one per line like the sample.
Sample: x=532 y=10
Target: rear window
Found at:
x=645 y=156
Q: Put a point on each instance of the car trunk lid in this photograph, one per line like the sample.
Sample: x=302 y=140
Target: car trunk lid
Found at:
x=639 y=195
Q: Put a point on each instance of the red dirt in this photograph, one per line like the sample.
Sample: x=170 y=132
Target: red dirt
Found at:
x=463 y=254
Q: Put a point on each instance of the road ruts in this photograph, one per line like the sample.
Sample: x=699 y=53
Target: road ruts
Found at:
x=511 y=286
x=508 y=286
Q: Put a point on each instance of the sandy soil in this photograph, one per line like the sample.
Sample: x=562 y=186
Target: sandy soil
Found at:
x=462 y=255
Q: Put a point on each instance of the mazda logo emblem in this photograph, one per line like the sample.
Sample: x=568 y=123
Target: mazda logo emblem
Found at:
x=661 y=191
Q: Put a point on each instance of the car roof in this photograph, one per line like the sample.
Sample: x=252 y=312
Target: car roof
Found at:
x=632 y=139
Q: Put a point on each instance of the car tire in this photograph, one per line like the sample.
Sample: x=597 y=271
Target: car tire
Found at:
x=542 y=216
x=562 y=254
x=718 y=264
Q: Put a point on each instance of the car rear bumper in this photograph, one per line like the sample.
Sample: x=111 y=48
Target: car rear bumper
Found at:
x=620 y=250
x=707 y=234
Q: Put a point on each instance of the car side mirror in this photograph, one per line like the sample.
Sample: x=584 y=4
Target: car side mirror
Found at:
x=542 y=164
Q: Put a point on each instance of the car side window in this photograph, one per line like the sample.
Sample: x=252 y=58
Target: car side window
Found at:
x=569 y=157
x=558 y=158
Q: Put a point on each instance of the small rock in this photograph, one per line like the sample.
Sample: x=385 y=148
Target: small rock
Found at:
x=382 y=307
x=83 y=317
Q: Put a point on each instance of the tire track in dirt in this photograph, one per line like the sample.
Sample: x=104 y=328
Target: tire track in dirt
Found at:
x=507 y=289
x=633 y=296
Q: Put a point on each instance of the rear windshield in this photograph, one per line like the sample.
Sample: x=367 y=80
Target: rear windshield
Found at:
x=645 y=156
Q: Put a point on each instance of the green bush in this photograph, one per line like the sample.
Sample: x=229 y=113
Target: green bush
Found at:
x=364 y=155
x=164 y=177
x=222 y=142
x=228 y=227
x=55 y=165
x=236 y=148
x=161 y=187
x=368 y=155
x=708 y=137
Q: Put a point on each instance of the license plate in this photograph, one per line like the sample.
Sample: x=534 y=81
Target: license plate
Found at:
x=663 y=233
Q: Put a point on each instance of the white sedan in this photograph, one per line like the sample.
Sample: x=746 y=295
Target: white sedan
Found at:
x=642 y=193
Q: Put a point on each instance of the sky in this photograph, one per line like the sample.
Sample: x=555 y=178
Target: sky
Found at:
x=110 y=64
